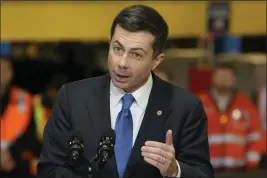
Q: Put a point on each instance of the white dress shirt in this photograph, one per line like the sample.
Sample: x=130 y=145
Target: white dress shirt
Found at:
x=222 y=101
x=138 y=107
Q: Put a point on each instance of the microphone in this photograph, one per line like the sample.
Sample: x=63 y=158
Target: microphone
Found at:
x=106 y=148
x=104 y=151
x=76 y=149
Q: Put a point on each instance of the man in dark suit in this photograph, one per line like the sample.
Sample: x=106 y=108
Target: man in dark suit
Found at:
x=161 y=130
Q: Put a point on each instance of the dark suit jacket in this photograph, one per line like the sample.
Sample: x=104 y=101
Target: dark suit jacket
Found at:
x=84 y=105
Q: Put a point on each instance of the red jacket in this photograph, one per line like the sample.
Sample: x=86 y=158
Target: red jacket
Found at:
x=234 y=135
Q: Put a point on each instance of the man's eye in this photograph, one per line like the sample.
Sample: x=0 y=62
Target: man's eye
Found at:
x=135 y=55
x=117 y=49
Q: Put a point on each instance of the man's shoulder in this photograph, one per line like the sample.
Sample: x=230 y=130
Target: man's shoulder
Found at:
x=184 y=102
x=180 y=97
x=184 y=96
x=87 y=84
x=243 y=97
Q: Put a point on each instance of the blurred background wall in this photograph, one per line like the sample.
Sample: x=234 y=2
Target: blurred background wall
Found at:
x=76 y=34
x=91 y=20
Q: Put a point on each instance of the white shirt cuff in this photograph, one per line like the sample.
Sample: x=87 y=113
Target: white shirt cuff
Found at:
x=179 y=170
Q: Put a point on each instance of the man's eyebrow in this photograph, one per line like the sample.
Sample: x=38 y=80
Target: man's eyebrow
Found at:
x=116 y=41
x=139 y=49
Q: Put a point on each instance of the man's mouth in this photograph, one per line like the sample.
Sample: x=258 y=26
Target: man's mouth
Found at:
x=121 y=77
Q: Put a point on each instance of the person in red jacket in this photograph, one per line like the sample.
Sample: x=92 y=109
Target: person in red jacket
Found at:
x=233 y=123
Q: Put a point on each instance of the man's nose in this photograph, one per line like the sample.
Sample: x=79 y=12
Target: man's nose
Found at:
x=123 y=62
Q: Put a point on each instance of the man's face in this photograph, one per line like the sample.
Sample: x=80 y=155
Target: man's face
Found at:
x=6 y=73
x=224 y=80
x=130 y=58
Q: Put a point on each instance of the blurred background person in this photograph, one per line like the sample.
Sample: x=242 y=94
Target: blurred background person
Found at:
x=234 y=127
x=262 y=105
x=42 y=107
x=261 y=101
x=15 y=110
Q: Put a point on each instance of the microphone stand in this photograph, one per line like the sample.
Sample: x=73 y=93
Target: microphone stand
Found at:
x=100 y=164
x=91 y=169
x=87 y=169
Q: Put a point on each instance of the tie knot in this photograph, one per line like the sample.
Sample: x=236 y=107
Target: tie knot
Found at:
x=127 y=101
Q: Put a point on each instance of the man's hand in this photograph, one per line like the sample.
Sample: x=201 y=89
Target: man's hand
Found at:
x=6 y=162
x=161 y=156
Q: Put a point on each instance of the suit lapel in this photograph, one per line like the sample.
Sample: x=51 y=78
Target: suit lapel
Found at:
x=154 y=119
x=98 y=105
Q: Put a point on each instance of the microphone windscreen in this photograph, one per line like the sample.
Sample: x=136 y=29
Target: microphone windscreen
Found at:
x=110 y=133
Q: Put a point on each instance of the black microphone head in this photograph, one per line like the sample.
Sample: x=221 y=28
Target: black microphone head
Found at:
x=111 y=135
x=76 y=148
x=76 y=141
x=107 y=142
x=106 y=147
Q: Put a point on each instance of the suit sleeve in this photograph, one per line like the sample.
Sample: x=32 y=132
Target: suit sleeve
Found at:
x=54 y=155
x=193 y=158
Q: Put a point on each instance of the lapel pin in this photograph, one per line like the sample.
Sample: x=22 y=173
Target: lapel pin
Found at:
x=159 y=113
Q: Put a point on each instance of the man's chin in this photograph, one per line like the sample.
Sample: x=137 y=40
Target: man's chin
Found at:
x=124 y=86
x=224 y=90
x=120 y=84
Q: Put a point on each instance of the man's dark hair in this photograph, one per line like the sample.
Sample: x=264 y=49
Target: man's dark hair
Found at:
x=138 y=18
x=225 y=65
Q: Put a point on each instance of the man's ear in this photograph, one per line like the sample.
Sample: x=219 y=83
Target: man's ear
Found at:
x=158 y=60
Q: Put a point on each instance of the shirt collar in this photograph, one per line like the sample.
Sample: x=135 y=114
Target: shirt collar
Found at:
x=141 y=95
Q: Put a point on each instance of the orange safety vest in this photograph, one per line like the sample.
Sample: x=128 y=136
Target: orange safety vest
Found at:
x=16 y=117
x=234 y=135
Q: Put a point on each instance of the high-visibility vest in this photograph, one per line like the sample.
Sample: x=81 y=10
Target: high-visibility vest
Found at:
x=234 y=135
x=16 y=118
x=33 y=161
x=41 y=115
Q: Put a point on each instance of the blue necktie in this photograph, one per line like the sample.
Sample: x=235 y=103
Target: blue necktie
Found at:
x=124 y=134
